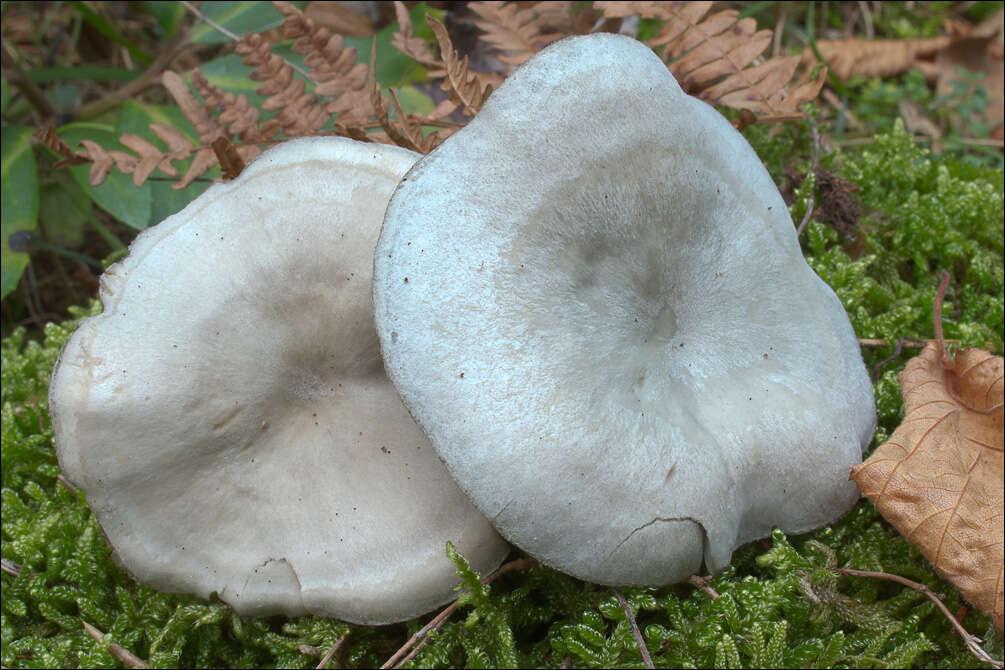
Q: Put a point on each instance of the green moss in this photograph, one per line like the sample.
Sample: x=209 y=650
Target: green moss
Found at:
x=780 y=604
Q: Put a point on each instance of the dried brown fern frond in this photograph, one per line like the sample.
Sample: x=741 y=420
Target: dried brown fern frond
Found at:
x=237 y=115
x=205 y=123
x=404 y=132
x=713 y=58
x=405 y=41
x=300 y=114
x=520 y=33
x=49 y=138
x=333 y=66
x=465 y=86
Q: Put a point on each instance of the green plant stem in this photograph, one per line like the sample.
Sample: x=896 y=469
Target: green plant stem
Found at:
x=148 y=78
x=63 y=251
x=106 y=234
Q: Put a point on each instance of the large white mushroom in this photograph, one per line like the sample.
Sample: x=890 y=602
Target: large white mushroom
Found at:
x=593 y=300
x=228 y=416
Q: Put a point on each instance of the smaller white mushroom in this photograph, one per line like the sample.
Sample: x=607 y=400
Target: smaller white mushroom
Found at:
x=228 y=416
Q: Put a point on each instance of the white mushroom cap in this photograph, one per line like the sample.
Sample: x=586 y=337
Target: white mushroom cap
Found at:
x=593 y=300
x=228 y=416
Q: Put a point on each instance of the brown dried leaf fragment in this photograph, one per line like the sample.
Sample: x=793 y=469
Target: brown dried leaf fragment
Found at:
x=939 y=478
x=464 y=85
x=875 y=58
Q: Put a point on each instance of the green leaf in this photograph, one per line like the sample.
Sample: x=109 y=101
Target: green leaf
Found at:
x=116 y=195
x=111 y=32
x=726 y=653
x=64 y=209
x=4 y=95
x=168 y=15
x=238 y=18
x=20 y=203
x=392 y=65
x=229 y=74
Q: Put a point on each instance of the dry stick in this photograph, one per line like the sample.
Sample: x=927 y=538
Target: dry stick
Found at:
x=870 y=32
x=906 y=342
x=331 y=652
x=972 y=641
x=116 y=650
x=17 y=77
x=811 y=203
x=782 y=9
x=216 y=26
x=701 y=583
x=422 y=636
x=149 y=77
x=635 y=629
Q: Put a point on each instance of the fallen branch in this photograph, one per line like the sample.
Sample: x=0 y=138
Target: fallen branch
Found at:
x=701 y=583
x=972 y=641
x=118 y=651
x=331 y=652
x=149 y=77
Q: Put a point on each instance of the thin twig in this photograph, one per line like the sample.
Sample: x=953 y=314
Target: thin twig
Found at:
x=422 y=635
x=782 y=13
x=972 y=641
x=905 y=342
x=216 y=26
x=811 y=201
x=937 y=312
x=870 y=32
x=646 y=658
x=701 y=583
x=16 y=76
x=118 y=651
x=331 y=652
x=148 y=78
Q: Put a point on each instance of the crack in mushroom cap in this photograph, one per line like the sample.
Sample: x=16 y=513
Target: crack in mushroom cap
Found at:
x=593 y=300
x=228 y=416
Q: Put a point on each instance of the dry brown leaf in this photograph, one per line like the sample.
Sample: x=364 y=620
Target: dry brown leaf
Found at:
x=874 y=58
x=939 y=478
x=977 y=49
x=650 y=10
